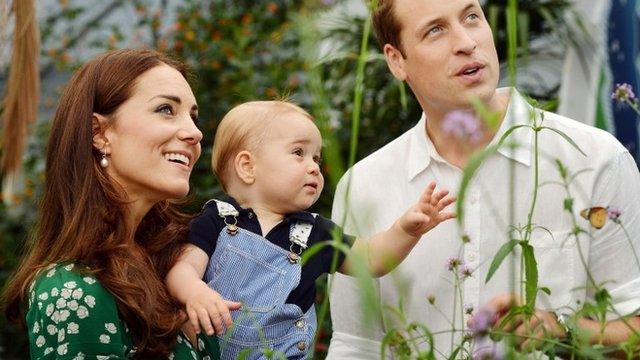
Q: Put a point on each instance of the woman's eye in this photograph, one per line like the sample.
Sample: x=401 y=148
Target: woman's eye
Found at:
x=165 y=109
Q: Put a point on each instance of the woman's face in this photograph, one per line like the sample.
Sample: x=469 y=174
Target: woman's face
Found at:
x=153 y=141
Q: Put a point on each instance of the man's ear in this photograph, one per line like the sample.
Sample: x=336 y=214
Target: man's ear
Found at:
x=245 y=167
x=99 y=124
x=395 y=61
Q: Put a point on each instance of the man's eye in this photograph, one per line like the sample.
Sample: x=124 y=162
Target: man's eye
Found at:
x=473 y=17
x=434 y=30
x=165 y=109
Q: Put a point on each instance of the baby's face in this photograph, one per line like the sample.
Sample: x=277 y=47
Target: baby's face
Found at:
x=287 y=164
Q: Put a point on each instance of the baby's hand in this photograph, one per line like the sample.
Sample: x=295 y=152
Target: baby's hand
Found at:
x=207 y=310
x=427 y=213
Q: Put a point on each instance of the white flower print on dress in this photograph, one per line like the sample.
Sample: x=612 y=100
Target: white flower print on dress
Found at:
x=52 y=329
x=63 y=315
x=70 y=284
x=51 y=273
x=72 y=328
x=77 y=293
x=105 y=339
x=61 y=303
x=55 y=291
x=36 y=328
x=69 y=267
x=61 y=335
x=40 y=341
x=82 y=312
x=65 y=293
x=90 y=301
x=72 y=305
x=43 y=296
x=49 y=310
x=62 y=349
x=89 y=280
x=79 y=356
x=39 y=305
x=48 y=350
x=110 y=327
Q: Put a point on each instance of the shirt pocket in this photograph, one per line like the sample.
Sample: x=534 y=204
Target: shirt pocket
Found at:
x=555 y=254
x=248 y=278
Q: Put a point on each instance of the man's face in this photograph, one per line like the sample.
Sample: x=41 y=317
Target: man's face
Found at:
x=450 y=54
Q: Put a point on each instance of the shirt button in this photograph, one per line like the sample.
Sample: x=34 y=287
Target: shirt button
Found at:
x=300 y=324
x=471 y=257
x=302 y=346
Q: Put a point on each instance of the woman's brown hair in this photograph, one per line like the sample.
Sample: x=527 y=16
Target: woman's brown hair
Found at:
x=83 y=212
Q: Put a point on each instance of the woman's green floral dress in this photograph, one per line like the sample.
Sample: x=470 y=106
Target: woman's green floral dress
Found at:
x=71 y=316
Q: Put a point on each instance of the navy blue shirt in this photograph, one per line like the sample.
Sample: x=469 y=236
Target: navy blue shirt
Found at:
x=205 y=228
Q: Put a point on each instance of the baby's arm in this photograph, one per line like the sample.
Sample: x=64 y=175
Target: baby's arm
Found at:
x=205 y=307
x=385 y=250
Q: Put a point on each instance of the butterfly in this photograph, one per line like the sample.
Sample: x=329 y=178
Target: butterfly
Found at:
x=597 y=216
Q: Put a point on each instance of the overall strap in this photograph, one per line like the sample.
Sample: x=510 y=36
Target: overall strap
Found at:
x=225 y=209
x=299 y=233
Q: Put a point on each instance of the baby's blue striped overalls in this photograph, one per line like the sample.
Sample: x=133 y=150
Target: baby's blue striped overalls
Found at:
x=248 y=268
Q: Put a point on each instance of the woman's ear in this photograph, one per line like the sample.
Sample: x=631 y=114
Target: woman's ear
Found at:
x=244 y=167
x=99 y=124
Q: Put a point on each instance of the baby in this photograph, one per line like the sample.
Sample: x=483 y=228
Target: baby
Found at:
x=248 y=247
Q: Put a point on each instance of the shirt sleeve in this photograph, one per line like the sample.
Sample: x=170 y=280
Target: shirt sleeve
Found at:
x=71 y=316
x=328 y=231
x=614 y=250
x=204 y=230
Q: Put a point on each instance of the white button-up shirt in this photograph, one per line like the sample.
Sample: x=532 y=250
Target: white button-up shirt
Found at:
x=386 y=183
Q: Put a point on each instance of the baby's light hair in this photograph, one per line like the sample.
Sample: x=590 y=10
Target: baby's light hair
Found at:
x=243 y=128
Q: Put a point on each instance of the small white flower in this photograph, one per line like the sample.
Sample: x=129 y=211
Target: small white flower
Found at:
x=89 y=280
x=110 y=327
x=69 y=267
x=52 y=329
x=51 y=273
x=49 y=310
x=55 y=317
x=172 y=355
x=40 y=341
x=54 y=291
x=103 y=357
x=61 y=335
x=82 y=312
x=200 y=344
x=62 y=349
x=80 y=356
x=70 y=284
x=40 y=305
x=48 y=350
x=61 y=303
x=36 y=328
x=105 y=339
x=65 y=293
x=43 y=296
x=90 y=300
x=206 y=358
x=77 y=293
x=72 y=328
x=64 y=315
x=72 y=305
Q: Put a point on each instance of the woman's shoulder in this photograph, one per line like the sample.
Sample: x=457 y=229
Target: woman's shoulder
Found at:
x=70 y=312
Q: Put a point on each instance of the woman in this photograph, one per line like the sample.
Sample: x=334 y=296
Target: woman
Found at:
x=123 y=143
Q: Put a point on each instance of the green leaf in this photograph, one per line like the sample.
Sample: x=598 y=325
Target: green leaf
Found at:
x=568 y=204
x=499 y=258
x=566 y=137
x=545 y=290
x=530 y=274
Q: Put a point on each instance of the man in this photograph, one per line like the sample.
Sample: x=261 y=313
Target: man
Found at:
x=445 y=52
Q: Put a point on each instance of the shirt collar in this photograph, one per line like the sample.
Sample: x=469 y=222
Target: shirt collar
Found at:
x=421 y=149
x=304 y=216
x=519 y=112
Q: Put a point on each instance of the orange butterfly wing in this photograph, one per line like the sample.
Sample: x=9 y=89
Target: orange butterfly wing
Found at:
x=597 y=216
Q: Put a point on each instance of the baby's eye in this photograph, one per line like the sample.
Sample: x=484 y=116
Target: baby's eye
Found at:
x=165 y=109
x=317 y=159
x=196 y=119
x=298 y=152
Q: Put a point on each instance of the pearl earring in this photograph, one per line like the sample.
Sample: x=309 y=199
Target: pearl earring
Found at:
x=104 y=162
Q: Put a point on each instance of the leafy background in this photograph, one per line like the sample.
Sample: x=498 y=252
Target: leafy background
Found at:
x=240 y=50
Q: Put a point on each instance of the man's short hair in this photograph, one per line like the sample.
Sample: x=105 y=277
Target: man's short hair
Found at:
x=386 y=25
